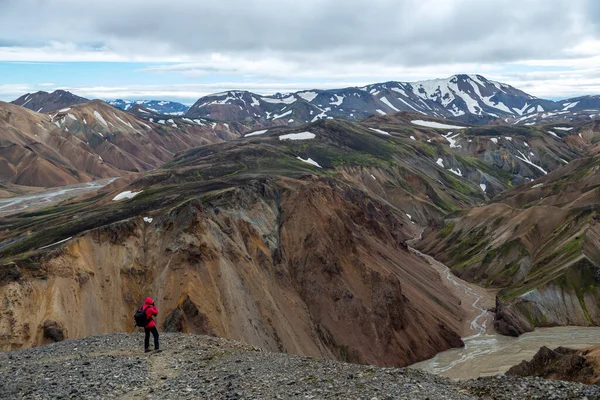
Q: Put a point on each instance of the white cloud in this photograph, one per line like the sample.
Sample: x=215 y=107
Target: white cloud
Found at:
x=545 y=47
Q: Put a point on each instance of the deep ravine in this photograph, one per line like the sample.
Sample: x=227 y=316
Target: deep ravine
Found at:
x=486 y=352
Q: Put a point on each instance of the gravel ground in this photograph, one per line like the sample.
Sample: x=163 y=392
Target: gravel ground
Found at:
x=201 y=367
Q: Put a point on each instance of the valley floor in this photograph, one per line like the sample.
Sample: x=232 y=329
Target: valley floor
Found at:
x=49 y=197
x=193 y=366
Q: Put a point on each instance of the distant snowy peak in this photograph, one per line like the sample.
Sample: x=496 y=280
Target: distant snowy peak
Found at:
x=156 y=106
x=468 y=98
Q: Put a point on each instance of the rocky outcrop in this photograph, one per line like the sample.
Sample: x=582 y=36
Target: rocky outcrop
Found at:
x=53 y=331
x=562 y=364
x=508 y=322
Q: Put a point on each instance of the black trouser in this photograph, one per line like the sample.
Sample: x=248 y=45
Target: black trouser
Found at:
x=147 y=338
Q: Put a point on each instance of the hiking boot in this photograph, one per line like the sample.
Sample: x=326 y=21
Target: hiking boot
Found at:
x=157 y=350
x=146 y=350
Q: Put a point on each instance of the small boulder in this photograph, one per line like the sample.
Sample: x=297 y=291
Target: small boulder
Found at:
x=53 y=331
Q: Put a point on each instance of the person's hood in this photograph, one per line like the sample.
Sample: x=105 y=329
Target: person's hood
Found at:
x=149 y=301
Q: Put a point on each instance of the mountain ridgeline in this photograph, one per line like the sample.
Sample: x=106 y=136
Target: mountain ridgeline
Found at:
x=471 y=99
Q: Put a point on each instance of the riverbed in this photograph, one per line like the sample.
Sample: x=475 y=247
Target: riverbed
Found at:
x=31 y=202
x=485 y=352
x=491 y=354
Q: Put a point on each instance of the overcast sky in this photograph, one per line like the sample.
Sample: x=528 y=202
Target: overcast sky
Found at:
x=183 y=49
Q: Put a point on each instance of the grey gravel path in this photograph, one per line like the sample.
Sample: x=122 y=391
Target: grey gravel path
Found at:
x=201 y=367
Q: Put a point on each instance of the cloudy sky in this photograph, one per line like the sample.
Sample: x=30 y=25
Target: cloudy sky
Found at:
x=184 y=49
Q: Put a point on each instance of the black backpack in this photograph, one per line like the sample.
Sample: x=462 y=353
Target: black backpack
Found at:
x=140 y=317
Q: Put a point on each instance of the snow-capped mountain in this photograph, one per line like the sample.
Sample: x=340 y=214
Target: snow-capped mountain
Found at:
x=577 y=109
x=157 y=106
x=467 y=98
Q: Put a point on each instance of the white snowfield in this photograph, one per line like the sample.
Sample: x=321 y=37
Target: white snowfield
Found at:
x=483 y=186
x=455 y=171
x=554 y=134
x=100 y=118
x=309 y=161
x=126 y=195
x=285 y=100
x=148 y=220
x=380 y=131
x=308 y=96
x=385 y=101
x=526 y=159
x=562 y=128
x=436 y=125
x=298 y=136
x=440 y=162
x=256 y=133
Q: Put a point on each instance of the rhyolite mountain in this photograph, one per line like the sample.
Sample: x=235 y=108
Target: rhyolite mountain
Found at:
x=220 y=237
x=470 y=99
x=44 y=102
x=90 y=141
x=538 y=243
x=156 y=106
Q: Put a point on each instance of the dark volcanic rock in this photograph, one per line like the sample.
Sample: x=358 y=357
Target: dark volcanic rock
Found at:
x=53 y=331
x=508 y=322
x=561 y=363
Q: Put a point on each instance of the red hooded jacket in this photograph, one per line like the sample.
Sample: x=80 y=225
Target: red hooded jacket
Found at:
x=151 y=311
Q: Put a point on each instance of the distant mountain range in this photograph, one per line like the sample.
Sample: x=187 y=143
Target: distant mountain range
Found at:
x=471 y=99
x=467 y=98
x=156 y=106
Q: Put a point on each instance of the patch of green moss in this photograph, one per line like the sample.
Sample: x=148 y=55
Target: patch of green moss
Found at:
x=448 y=228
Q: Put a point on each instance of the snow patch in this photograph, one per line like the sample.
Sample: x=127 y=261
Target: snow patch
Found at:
x=380 y=131
x=455 y=171
x=338 y=100
x=256 y=133
x=148 y=220
x=526 y=159
x=308 y=96
x=126 y=195
x=381 y=111
x=440 y=162
x=309 y=161
x=554 y=134
x=437 y=125
x=282 y=115
x=483 y=186
x=100 y=118
x=387 y=103
x=298 y=136
x=562 y=128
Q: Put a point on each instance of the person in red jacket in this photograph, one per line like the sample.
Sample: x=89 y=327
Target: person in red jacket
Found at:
x=151 y=311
